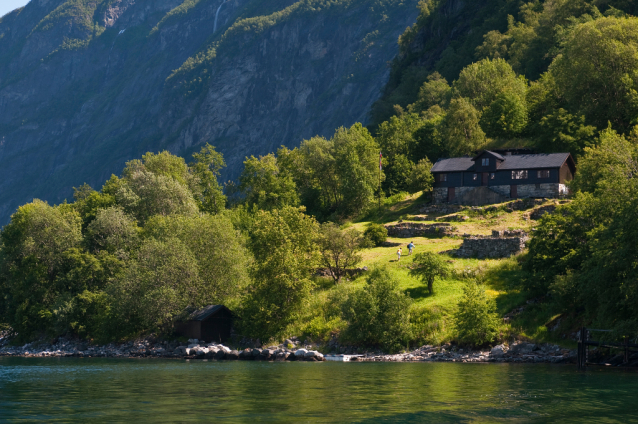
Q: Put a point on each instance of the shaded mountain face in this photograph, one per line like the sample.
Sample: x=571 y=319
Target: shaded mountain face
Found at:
x=86 y=85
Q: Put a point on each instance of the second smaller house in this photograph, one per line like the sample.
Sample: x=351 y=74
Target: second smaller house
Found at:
x=495 y=176
x=212 y=324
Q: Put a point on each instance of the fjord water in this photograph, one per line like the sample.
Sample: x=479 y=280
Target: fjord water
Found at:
x=104 y=390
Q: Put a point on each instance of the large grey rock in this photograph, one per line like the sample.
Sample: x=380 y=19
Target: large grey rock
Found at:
x=300 y=353
x=256 y=352
x=220 y=354
x=281 y=356
x=498 y=351
x=233 y=354
x=522 y=348
x=199 y=351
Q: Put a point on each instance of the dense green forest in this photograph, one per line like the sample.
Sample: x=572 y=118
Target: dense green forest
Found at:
x=166 y=236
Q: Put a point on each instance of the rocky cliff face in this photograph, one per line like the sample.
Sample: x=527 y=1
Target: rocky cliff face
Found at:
x=86 y=85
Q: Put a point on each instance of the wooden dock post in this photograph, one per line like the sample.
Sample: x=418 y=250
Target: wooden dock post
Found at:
x=581 y=356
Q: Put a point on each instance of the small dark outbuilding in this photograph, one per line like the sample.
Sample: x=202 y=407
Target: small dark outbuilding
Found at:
x=212 y=324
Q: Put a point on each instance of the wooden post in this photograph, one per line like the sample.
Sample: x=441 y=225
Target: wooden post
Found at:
x=586 y=348
x=626 y=349
x=579 y=354
x=582 y=351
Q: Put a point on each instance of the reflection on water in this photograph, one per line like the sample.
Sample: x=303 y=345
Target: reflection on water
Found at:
x=103 y=390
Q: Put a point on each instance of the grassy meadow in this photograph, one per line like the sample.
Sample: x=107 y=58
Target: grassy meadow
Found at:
x=432 y=314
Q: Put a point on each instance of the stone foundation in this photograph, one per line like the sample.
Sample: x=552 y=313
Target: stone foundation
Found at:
x=439 y=195
x=540 y=190
x=502 y=244
x=412 y=229
x=503 y=190
x=549 y=190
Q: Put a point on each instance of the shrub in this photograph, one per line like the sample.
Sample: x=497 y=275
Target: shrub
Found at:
x=427 y=325
x=376 y=234
x=476 y=319
x=378 y=314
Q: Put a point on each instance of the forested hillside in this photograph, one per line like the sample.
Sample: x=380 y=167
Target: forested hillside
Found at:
x=166 y=235
x=86 y=85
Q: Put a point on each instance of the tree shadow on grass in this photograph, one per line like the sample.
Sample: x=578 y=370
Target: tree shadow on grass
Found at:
x=417 y=293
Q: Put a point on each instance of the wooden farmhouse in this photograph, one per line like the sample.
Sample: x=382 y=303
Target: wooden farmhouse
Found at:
x=212 y=324
x=499 y=175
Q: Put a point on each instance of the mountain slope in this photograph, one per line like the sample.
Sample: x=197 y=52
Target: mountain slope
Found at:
x=87 y=84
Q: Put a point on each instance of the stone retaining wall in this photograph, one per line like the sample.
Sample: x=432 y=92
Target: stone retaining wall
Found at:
x=548 y=190
x=502 y=244
x=439 y=195
x=413 y=229
x=539 y=212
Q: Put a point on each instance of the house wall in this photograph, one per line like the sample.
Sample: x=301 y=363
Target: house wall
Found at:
x=565 y=174
x=504 y=177
x=216 y=328
x=492 y=167
x=189 y=329
x=454 y=179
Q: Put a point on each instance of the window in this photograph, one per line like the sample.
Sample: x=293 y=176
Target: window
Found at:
x=475 y=177
x=485 y=161
x=442 y=178
x=492 y=176
x=519 y=175
x=542 y=174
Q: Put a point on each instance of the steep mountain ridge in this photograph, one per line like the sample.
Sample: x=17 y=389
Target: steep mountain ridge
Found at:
x=87 y=84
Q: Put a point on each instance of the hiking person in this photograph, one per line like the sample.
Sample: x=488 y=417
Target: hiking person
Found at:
x=410 y=247
x=399 y=254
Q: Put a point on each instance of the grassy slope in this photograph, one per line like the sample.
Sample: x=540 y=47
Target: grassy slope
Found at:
x=499 y=275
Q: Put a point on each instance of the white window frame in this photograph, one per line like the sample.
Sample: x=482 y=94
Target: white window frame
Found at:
x=442 y=178
x=519 y=175
x=539 y=174
x=485 y=162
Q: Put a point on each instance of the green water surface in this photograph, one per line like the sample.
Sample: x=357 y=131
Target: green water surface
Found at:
x=109 y=390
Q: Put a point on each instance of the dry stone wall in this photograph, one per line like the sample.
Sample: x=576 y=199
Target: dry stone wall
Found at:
x=502 y=244
x=413 y=229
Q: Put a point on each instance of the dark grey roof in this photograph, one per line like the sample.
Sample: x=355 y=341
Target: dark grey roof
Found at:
x=453 y=165
x=541 y=160
x=534 y=161
x=202 y=314
x=496 y=155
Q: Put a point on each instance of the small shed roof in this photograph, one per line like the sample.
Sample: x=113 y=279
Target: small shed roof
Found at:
x=202 y=314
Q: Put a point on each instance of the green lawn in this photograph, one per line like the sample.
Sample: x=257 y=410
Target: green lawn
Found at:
x=499 y=276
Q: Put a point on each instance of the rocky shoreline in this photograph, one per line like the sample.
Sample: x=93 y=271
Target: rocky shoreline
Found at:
x=516 y=353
